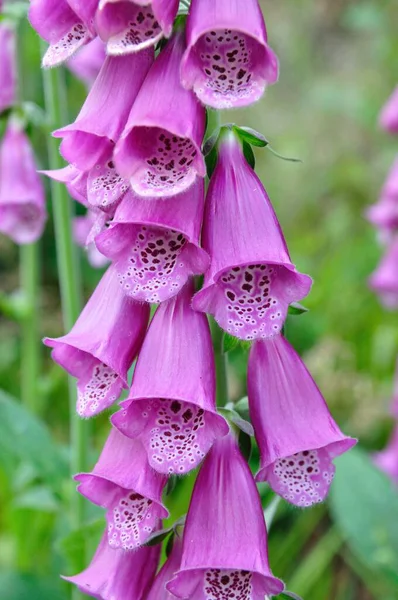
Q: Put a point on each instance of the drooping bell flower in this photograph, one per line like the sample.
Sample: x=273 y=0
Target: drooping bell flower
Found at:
x=389 y=115
x=171 y=405
x=85 y=229
x=155 y=244
x=224 y=552
x=387 y=460
x=123 y=482
x=105 y=187
x=384 y=280
x=74 y=179
x=87 y=63
x=22 y=198
x=102 y=345
x=158 y=590
x=160 y=148
x=295 y=432
x=8 y=68
x=90 y=139
x=251 y=280
x=116 y=574
x=132 y=25
x=228 y=62
x=59 y=25
x=384 y=214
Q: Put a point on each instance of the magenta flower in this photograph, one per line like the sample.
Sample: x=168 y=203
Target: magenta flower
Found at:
x=155 y=244
x=174 y=413
x=22 y=199
x=251 y=280
x=384 y=214
x=158 y=590
x=160 y=148
x=131 y=25
x=384 y=280
x=102 y=345
x=8 y=69
x=389 y=115
x=116 y=574
x=228 y=62
x=90 y=139
x=85 y=229
x=294 y=429
x=65 y=30
x=225 y=556
x=87 y=63
x=123 y=482
x=387 y=460
x=105 y=187
x=75 y=181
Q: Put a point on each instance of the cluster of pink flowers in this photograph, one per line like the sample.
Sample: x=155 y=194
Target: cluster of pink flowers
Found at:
x=384 y=281
x=135 y=160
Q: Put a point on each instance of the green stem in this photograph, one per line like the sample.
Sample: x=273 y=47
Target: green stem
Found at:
x=69 y=274
x=30 y=350
x=220 y=359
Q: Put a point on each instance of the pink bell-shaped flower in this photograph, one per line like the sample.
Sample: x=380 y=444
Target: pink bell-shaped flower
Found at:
x=228 y=62
x=384 y=214
x=158 y=589
x=155 y=244
x=75 y=181
x=84 y=231
x=132 y=25
x=389 y=115
x=160 y=148
x=22 y=198
x=384 y=280
x=102 y=345
x=171 y=406
x=294 y=429
x=8 y=68
x=224 y=552
x=387 y=459
x=123 y=482
x=251 y=280
x=87 y=62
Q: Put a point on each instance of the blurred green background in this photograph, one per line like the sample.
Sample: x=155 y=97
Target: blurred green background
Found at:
x=338 y=66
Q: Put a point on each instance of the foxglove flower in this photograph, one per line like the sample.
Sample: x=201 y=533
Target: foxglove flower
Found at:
x=225 y=556
x=159 y=151
x=173 y=413
x=251 y=280
x=155 y=244
x=384 y=281
x=87 y=63
x=65 y=30
x=75 y=181
x=8 y=70
x=90 y=139
x=22 y=198
x=116 y=574
x=105 y=187
x=389 y=115
x=384 y=214
x=123 y=482
x=158 y=590
x=387 y=459
x=294 y=429
x=84 y=231
x=131 y=25
x=228 y=62
x=102 y=345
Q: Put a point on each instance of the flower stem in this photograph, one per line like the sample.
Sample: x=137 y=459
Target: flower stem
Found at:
x=69 y=274
x=30 y=348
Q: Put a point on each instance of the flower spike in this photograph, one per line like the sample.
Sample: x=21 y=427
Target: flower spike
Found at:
x=384 y=280
x=8 y=70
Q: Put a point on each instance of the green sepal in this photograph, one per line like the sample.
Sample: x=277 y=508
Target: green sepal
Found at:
x=297 y=309
x=231 y=342
x=234 y=417
x=242 y=408
x=290 y=595
x=249 y=154
x=245 y=445
x=158 y=537
x=251 y=136
x=170 y=485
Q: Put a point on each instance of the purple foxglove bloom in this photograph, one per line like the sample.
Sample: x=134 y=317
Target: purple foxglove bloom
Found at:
x=75 y=181
x=131 y=25
x=228 y=62
x=84 y=231
x=102 y=345
x=118 y=575
x=123 y=482
x=158 y=590
x=384 y=214
x=294 y=429
x=65 y=30
x=8 y=68
x=174 y=413
x=105 y=187
x=155 y=244
x=384 y=281
x=389 y=115
x=225 y=555
x=251 y=280
x=387 y=459
x=87 y=63
x=22 y=198
x=91 y=138
x=159 y=150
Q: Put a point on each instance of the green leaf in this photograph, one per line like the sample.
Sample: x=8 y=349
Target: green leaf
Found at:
x=25 y=437
x=297 y=309
x=364 y=503
x=249 y=154
x=18 y=586
x=251 y=136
